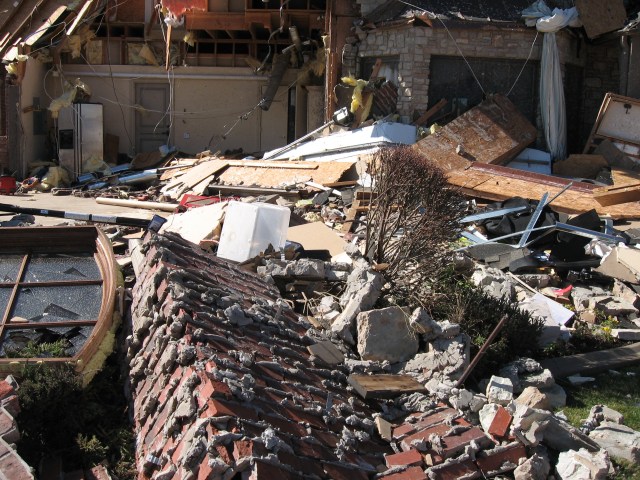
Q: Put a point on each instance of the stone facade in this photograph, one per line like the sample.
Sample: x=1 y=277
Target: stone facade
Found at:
x=415 y=45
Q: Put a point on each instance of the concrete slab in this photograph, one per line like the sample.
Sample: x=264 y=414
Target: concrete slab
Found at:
x=593 y=362
x=69 y=203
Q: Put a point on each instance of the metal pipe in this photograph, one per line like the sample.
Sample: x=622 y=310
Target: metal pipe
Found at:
x=87 y=217
x=482 y=350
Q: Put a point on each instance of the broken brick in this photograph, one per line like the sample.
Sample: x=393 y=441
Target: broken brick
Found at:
x=501 y=460
x=454 y=470
x=500 y=425
x=409 y=458
x=411 y=473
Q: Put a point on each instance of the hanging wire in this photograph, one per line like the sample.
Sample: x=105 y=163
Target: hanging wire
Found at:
x=452 y=38
x=524 y=65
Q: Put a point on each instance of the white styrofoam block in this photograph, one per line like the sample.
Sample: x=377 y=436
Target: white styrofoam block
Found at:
x=249 y=228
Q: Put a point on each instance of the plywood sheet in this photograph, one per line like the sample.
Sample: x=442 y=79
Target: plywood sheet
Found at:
x=601 y=17
x=493 y=132
x=277 y=174
x=496 y=187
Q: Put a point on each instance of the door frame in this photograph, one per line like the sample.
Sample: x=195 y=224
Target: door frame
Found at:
x=170 y=105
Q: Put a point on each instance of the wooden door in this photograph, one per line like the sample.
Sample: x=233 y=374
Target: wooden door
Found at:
x=153 y=119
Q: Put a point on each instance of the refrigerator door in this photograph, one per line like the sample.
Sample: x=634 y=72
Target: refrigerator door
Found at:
x=91 y=133
x=80 y=135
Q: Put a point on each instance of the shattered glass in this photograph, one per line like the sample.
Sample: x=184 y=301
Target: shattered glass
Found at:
x=59 y=267
x=5 y=295
x=17 y=339
x=58 y=304
x=9 y=267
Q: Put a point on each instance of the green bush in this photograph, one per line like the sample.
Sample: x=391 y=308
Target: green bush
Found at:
x=478 y=314
x=82 y=426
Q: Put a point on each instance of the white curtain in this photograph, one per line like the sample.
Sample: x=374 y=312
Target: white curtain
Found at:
x=552 y=106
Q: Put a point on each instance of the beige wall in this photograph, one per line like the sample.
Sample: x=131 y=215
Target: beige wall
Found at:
x=33 y=147
x=207 y=102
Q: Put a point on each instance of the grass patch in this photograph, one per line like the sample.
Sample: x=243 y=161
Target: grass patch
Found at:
x=619 y=392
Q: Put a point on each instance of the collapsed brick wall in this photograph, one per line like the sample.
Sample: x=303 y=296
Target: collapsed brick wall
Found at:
x=222 y=382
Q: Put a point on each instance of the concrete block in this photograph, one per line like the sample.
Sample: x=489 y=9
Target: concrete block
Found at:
x=583 y=465
x=619 y=440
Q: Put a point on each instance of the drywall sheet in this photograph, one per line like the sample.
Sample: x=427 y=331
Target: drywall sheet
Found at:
x=601 y=17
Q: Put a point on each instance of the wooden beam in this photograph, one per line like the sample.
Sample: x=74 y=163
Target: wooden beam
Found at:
x=614 y=195
x=384 y=386
x=431 y=112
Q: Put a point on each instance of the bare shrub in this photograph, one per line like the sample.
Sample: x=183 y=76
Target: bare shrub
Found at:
x=413 y=218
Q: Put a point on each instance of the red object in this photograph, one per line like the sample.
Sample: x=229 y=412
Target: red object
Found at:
x=7 y=185
x=500 y=424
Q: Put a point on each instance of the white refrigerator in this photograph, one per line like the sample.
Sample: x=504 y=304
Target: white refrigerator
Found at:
x=80 y=135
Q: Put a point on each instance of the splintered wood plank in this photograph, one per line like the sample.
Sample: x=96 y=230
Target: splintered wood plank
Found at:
x=624 y=178
x=278 y=173
x=617 y=194
x=351 y=216
x=384 y=386
x=600 y=17
x=327 y=352
x=493 y=132
x=196 y=174
x=498 y=187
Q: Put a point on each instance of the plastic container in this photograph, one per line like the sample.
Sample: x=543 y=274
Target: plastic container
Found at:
x=249 y=228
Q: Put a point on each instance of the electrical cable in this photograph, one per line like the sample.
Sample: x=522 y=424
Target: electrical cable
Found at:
x=525 y=64
x=113 y=84
x=454 y=42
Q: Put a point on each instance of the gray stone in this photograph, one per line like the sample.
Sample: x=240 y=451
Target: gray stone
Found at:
x=556 y=396
x=477 y=403
x=581 y=295
x=449 y=329
x=308 y=268
x=621 y=290
x=614 y=306
x=536 y=467
x=327 y=304
x=619 y=440
x=561 y=436
x=422 y=323
x=361 y=294
x=385 y=335
x=499 y=390
x=583 y=465
x=626 y=334
x=524 y=417
x=462 y=400
x=494 y=282
x=440 y=386
x=539 y=380
x=236 y=316
x=602 y=413
x=446 y=356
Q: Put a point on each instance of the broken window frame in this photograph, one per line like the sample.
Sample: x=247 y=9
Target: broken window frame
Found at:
x=59 y=240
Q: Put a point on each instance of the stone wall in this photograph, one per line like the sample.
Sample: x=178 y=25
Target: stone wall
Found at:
x=415 y=45
x=602 y=75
